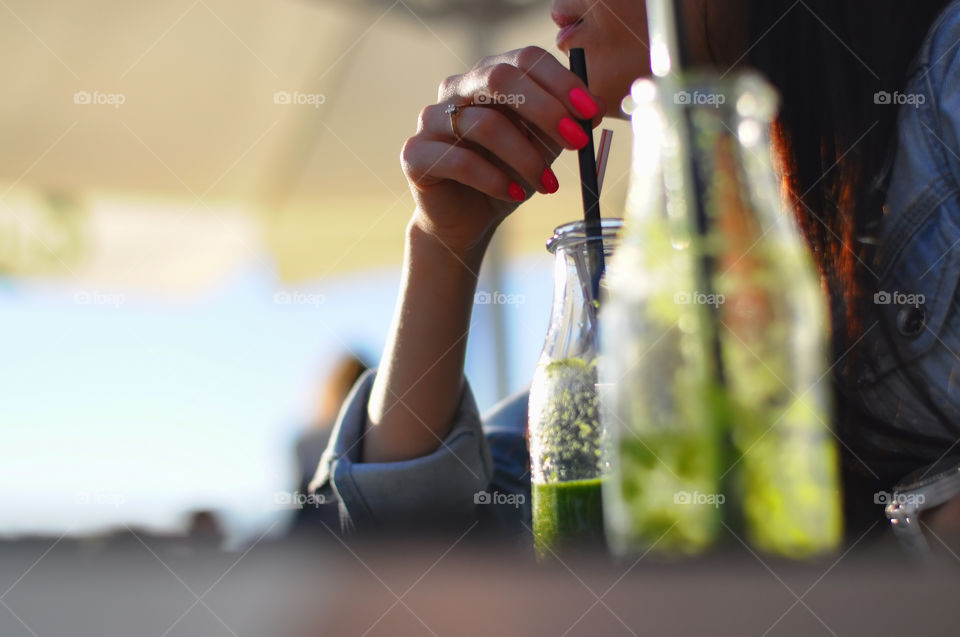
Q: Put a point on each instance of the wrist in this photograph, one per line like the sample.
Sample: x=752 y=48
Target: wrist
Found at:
x=424 y=245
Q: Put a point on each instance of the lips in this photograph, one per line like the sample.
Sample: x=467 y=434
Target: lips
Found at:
x=564 y=19
x=568 y=23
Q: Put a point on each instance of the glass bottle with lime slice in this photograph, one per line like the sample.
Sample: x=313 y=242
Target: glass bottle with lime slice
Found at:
x=714 y=336
x=664 y=408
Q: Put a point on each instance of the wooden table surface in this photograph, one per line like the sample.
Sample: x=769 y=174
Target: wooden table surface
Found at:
x=138 y=585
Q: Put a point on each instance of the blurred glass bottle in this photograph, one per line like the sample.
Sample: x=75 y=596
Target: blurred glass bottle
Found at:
x=714 y=336
x=567 y=462
x=660 y=402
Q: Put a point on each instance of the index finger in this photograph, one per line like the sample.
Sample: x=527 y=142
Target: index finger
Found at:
x=560 y=81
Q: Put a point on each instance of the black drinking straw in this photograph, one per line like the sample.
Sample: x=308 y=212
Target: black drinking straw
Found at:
x=589 y=188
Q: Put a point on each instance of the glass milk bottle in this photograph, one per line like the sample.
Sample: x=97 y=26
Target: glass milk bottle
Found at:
x=567 y=462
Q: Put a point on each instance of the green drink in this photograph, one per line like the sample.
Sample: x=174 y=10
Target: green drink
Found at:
x=567 y=513
x=566 y=457
x=669 y=496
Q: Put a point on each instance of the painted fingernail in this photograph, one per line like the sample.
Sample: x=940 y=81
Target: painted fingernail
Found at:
x=516 y=192
x=584 y=104
x=549 y=181
x=571 y=131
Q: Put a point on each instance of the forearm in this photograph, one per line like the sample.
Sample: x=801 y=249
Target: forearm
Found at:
x=420 y=377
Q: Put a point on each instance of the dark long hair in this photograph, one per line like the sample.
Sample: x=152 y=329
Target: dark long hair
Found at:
x=828 y=59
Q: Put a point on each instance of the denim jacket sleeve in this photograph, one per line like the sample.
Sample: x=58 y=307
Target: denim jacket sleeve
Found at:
x=439 y=487
x=912 y=385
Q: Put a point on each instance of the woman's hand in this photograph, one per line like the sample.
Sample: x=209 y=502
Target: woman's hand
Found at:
x=521 y=115
x=521 y=111
x=522 y=107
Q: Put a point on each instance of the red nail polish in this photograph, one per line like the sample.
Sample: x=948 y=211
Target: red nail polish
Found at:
x=549 y=181
x=571 y=131
x=584 y=104
x=517 y=192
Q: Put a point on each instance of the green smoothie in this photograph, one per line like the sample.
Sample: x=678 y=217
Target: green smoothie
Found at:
x=567 y=513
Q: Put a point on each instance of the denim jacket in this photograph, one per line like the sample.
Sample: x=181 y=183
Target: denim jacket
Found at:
x=909 y=383
x=910 y=386
x=479 y=473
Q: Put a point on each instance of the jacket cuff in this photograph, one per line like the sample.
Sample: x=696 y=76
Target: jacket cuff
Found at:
x=435 y=488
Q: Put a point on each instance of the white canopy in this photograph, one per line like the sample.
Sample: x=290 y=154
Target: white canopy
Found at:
x=160 y=144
